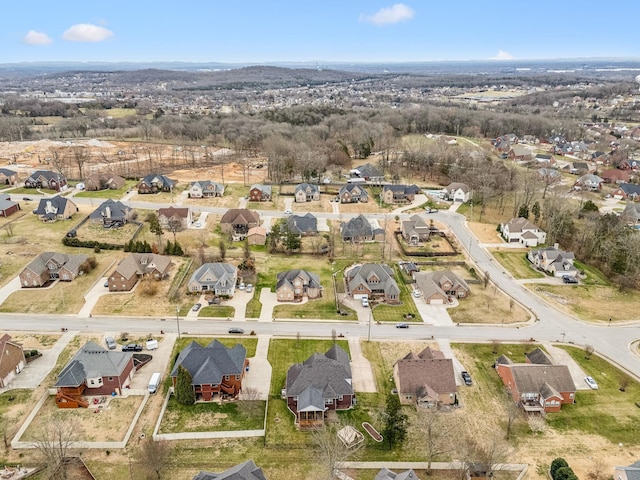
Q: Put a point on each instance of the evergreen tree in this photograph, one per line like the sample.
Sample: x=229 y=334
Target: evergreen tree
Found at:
x=184 y=390
x=154 y=226
x=396 y=422
x=223 y=249
x=177 y=250
x=523 y=211
x=168 y=249
x=556 y=464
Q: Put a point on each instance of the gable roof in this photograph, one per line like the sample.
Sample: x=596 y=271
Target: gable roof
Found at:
x=219 y=274
x=452 y=187
x=361 y=273
x=7 y=173
x=366 y=170
x=402 y=189
x=209 y=185
x=386 y=474
x=426 y=373
x=307 y=187
x=161 y=180
x=539 y=357
x=92 y=361
x=111 y=209
x=301 y=224
x=169 y=212
x=431 y=282
x=629 y=188
x=49 y=207
x=46 y=174
x=265 y=189
x=520 y=224
x=244 y=471
x=632 y=471
x=360 y=226
x=312 y=280
x=632 y=210
x=532 y=378
x=240 y=216
x=353 y=189
x=6 y=202
x=142 y=263
x=207 y=365
x=70 y=262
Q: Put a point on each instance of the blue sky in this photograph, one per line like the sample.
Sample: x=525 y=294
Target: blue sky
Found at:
x=255 y=31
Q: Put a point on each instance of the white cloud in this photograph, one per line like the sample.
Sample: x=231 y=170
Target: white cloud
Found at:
x=36 y=38
x=386 y=16
x=502 y=55
x=86 y=32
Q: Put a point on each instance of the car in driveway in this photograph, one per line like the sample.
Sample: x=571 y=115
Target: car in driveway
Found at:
x=416 y=293
x=249 y=288
x=591 y=382
x=236 y=330
x=365 y=302
x=197 y=224
x=402 y=325
x=288 y=211
x=111 y=343
x=466 y=378
x=132 y=347
x=196 y=307
x=569 y=279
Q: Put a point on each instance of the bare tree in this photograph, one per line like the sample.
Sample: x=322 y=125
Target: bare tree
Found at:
x=483 y=455
x=54 y=442
x=153 y=457
x=598 y=469
x=174 y=224
x=331 y=450
x=537 y=422
x=588 y=351
x=249 y=403
x=80 y=157
x=437 y=435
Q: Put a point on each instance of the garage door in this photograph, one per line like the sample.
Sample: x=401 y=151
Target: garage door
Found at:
x=362 y=295
x=436 y=301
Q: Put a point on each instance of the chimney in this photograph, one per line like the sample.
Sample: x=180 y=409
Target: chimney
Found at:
x=555 y=246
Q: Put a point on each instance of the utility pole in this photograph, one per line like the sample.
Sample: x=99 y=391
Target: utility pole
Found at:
x=178 y=320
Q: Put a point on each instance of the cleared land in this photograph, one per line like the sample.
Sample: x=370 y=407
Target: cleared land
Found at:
x=517 y=264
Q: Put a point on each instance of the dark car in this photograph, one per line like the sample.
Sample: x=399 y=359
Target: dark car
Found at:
x=27 y=199
x=569 y=279
x=402 y=325
x=466 y=377
x=236 y=330
x=132 y=347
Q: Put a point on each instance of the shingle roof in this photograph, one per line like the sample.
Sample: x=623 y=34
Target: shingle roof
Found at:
x=207 y=365
x=632 y=471
x=302 y=224
x=307 y=187
x=240 y=216
x=426 y=371
x=452 y=187
x=6 y=172
x=265 y=189
x=386 y=474
x=311 y=280
x=243 y=471
x=402 y=189
x=46 y=174
x=216 y=274
x=629 y=188
x=161 y=180
x=180 y=212
x=92 y=361
x=111 y=209
x=359 y=226
x=431 y=282
x=6 y=202
x=142 y=263
x=539 y=357
x=49 y=207
x=206 y=184
x=519 y=224
x=360 y=273
x=531 y=377
x=72 y=262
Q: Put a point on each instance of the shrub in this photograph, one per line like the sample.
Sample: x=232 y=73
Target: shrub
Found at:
x=557 y=464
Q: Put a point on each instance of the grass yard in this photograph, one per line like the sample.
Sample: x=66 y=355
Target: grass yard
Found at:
x=516 y=263
x=586 y=301
x=435 y=244
x=487 y=305
x=485 y=232
x=248 y=343
x=607 y=411
x=95 y=231
x=396 y=313
x=109 y=193
x=217 y=311
x=324 y=308
x=211 y=417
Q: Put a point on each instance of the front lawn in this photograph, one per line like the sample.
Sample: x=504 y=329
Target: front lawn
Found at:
x=487 y=305
x=217 y=311
x=115 y=194
x=517 y=264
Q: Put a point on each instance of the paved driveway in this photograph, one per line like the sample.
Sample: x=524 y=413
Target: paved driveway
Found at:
x=258 y=377
x=433 y=314
x=363 y=379
x=562 y=357
x=159 y=363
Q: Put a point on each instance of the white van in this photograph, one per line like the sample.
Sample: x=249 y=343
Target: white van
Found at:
x=154 y=383
x=152 y=344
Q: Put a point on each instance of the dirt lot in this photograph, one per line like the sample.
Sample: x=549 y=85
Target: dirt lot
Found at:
x=30 y=341
x=485 y=232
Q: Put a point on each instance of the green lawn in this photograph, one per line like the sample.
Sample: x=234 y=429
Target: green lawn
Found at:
x=217 y=311
x=115 y=194
x=607 y=411
x=593 y=275
x=207 y=417
x=320 y=308
x=396 y=313
x=517 y=264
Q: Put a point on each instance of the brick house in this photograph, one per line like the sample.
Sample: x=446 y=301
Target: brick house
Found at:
x=55 y=208
x=306 y=192
x=46 y=179
x=294 y=285
x=12 y=360
x=174 y=216
x=137 y=266
x=50 y=266
x=154 y=183
x=399 y=193
x=111 y=213
x=260 y=193
x=353 y=193
x=8 y=177
x=439 y=287
x=238 y=221
x=361 y=229
x=219 y=278
x=205 y=189
x=8 y=206
x=216 y=371
x=372 y=281
x=104 y=181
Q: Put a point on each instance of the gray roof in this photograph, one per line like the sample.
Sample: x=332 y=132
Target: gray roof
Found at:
x=142 y=263
x=366 y=170
x=520 y=224
x=402 y=189
x=359 y=227
x=452 y=187
x=6 y=172
x=6 y=202
x=632 y=210
x=92 y=361
x=350 y=187
x=49 y=207
x=222 y=275
x=110 y=208
x=243 y=471
x=632 y=471
x=431 y=282
x=310 y=280
x=386 y=474
x=629 y=188
x=532 y=378
x=307 y=187
x=207 y=365
x=207 y=184
x=265 y=189
x=539 y=357
x=425 y=373
x=159 y=180
x=361 y=274
x=240 y=216
x=302 y=224
x=70 y=262
x=48 y=175
x=329 y=374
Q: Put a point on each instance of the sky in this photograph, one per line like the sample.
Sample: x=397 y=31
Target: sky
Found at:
x=263 y=31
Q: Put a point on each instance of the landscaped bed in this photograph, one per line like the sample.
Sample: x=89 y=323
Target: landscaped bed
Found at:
x=372 y=431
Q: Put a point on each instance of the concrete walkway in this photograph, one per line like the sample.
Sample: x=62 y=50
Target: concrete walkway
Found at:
x=9 y=288
x=445 y=347
x=363 y=378
x=34 y=373
x=259 y=375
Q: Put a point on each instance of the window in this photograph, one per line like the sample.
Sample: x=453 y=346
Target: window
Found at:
x=111 y=379
x=340 y=397
x=328 y=401
x=237 y=377
x=226 y=377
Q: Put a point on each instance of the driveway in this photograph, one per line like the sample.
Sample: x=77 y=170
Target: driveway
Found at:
x=35 y=372
x=269 y=300
x=92 y=296
x=363 y=379
x=562 y=357
x=445 y=347
x=436 y=315
x=159 y=363
x=258 y=377
x=9 y=288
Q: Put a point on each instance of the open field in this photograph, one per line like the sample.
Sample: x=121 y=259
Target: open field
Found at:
x=114 y=194
x=487 y=305
x=516 y=263
x=37 y=341
x=485 y=232
x=586 y=301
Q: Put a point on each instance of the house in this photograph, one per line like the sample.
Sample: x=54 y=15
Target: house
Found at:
x=361 y=229
x=238 y=221
x=155 y=183
x=553 y=261
x=136 y=266
x=294 y=285
x=93 y=370
x=520 y=153
x=244 y=471
x=538 y=357
x=174 y=218
x=12 y=360
x=205 y=189
x=426 y=380
x=372 y=280
x=260 y=193
x=305 y=192
x=439 y=287
x=632 y=212
x=111 y=213
x=49 y=266
x=367 y=172
x=415 y=230
x=542 y=159
x=409 y=268
x=632 y=472
x=399 y=193
x=46 y=179
x=386 y=474
x=549 y=175
x=216 y=371
x=219 y=278
x=104 y=181
x=537 y=387
x=55 y=208
x=457 y=192
x=257 y=236
x=303 y=225
x=353 y=193
x=627 y=191
x=577 y=168
x=522 y=231
x=8 y=206
x=319 y=385
x=589 y=181
x=8 y=177
x=615 y=175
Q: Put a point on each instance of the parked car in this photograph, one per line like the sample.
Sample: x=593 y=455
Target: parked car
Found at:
x=132 y=347
x=241 y=286
x=591 y=382
x=569 y=279
x=249 y=288
x=416 y=293
x=365 y=302
x=402 y=325
x=196 y=307
x=197 y=224
x=236 y=330
x=27 y=199
x=111 y=343
x=466 y=378
x=288 y=211
x=106 y=283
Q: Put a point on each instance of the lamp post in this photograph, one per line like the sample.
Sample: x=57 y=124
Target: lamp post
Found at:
x=369 y=334
x=178 y=320
x=563 y=334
